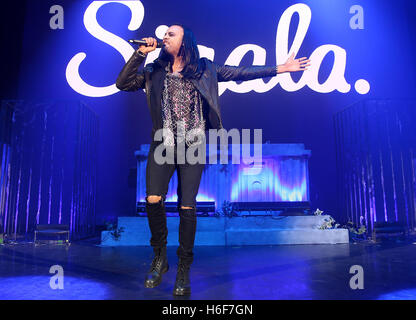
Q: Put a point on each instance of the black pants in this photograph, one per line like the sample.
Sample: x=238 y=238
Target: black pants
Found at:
x=157 y=182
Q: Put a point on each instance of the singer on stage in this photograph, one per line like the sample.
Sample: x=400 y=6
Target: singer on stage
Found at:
x=181 y=88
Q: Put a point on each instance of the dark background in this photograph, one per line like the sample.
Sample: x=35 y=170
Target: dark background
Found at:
x=34 y=59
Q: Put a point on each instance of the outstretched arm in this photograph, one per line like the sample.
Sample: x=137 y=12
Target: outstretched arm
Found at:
x=233 y=73
x=292 y=65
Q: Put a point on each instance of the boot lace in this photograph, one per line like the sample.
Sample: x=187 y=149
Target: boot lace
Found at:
x=182 y=271
x=157 y=263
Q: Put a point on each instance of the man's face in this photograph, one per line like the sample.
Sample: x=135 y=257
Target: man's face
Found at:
x=173 y=40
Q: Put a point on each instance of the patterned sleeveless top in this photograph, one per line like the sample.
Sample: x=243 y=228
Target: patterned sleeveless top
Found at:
x=181 y=111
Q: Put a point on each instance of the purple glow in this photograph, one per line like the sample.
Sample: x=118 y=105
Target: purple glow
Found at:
x=50 y=184
x=17 y=200
x=406 y=294
x=35 y=287
x=271 y=184
x=60 y=197
x=28 y=200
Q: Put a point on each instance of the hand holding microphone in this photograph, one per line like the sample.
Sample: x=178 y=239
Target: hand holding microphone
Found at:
x=147 y=45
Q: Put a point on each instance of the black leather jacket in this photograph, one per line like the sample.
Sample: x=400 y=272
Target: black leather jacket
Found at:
x=151 y=78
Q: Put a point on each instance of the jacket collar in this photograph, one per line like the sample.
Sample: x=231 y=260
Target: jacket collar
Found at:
x=162 y=63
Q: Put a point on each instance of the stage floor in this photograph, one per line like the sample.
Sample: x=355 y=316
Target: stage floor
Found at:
x=225 y=273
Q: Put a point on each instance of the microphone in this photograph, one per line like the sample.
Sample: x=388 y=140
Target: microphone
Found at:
x=144 y=43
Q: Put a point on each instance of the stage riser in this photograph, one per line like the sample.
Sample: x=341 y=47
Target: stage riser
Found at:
x=233 y=231
x=278 y=236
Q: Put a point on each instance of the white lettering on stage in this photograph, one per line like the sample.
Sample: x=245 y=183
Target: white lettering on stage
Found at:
x=335 y=81
x=123 y=47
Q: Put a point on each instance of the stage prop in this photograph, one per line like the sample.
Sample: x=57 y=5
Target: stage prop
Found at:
x=48 y=167
x=54 y=230
x=283 y=177
x=376 y=151
x=260 y=200
x=282 y=208
x=171 y=208
x=241 y=208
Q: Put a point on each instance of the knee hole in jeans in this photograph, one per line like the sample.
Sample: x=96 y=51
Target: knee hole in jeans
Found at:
x=153 y=199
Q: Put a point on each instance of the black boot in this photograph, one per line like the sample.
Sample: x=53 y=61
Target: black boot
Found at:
x=156 y=216
x=187 y=231
x=182 y=283
x=159 y=266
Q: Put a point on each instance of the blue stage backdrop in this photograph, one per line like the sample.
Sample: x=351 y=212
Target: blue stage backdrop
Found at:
x=74 y=50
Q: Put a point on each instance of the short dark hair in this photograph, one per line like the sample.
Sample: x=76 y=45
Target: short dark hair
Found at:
x=189 y=53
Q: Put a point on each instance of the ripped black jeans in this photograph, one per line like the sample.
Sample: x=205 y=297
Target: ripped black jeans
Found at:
x=157 y=182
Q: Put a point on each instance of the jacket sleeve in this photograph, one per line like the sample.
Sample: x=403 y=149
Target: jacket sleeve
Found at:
x=129 y=79
x=233 y=73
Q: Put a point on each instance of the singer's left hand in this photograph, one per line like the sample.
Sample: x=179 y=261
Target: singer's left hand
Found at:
x=296 y=64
